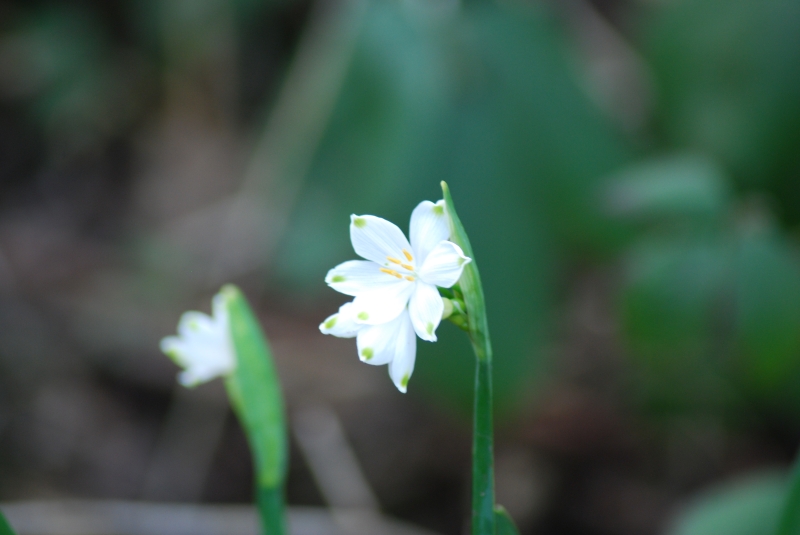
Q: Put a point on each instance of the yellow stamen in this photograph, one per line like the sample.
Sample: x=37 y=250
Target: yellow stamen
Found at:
x=391 y=272
x=408 y=255
x=408 y=267
x=409 y=278
x=393 y=260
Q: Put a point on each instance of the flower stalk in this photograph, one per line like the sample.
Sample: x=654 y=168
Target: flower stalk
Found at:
x=487 y=519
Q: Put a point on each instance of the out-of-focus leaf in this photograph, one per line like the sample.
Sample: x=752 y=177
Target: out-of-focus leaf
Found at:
x=255 y=393
x=674 y=188
x=748 y=506
x=727 y=75
x=768 y=310
x=672 y=286
x=5 y=527
x=254 y=389
x=504 y=524
x=712 y=317
x=674 y=291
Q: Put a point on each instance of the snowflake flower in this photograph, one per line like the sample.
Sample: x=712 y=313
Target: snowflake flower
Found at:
x=203 y=346
x=395 y=288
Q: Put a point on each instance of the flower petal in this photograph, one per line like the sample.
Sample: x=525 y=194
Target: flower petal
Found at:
x=377 y=344
x=444 y=265
x=377 y=239
x=219 y=307
x=425 y=309
x=405 y=354
x=341 y=324
x=194 y=324
x=174 y=348
x=429 y=226
x=358 y=276
x=382 y=304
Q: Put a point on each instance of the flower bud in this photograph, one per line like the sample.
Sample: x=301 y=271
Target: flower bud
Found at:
x=448 y=308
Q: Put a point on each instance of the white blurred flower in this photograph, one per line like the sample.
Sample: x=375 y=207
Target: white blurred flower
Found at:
x=395 y=288
x=203 y=346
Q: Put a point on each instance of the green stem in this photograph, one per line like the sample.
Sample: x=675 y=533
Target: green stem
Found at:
x=789 y=523
x=270 y=502
x=483 y=450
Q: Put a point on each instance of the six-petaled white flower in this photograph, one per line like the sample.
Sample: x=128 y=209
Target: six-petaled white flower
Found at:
x=395 y=288
x=203 y=347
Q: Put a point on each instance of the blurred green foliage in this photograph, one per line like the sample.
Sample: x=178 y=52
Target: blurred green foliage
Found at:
x=727 y=79
x=711 y=303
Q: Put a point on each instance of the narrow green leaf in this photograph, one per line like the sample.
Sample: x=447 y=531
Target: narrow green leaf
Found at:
x=5 y=527
x=483 y=513
x=789 y=520
x=256 y=398
x=505 y=525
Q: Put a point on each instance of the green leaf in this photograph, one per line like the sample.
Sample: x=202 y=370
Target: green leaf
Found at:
x=767 y=310
x=255 y=393
x=504 y=524
x=483 y=516
x=5 y=527
x=749 y=506
x=672 y=284
x=676 y=288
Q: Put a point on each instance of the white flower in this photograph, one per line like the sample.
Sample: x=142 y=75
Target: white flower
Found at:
x=203 y=346
x=395 y=288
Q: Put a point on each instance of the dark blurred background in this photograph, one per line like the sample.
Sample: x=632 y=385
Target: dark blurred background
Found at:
x=628 y=172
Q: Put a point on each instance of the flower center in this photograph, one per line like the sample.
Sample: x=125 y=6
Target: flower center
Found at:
x=409 y=273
